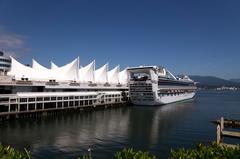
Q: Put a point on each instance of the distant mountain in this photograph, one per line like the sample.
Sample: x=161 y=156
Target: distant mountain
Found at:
x=235 y=80
x=212 y=81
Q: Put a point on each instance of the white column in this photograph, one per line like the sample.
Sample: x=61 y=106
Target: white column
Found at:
x=35 y=103
x=9 y=105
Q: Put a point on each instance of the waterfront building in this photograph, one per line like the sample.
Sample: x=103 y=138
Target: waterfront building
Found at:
x=36 y=88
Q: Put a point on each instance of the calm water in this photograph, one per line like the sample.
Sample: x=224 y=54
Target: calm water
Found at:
x=156 y=129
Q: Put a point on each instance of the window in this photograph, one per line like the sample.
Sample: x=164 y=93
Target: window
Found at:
x=71 y=103
x=5 y=60
x=39 y=106
x=59 y=104
x=90 y=102
x=4 y=65
x=76 y=103
x=31 y=99
x=53 y=98
x=46 y=98
x=23 y=99
x=39 y=99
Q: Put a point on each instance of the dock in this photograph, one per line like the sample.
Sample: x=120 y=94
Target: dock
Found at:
x=31 y=104
x=222 y=132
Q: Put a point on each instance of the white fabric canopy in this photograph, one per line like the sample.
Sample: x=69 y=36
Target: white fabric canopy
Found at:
x=101 y=74
x=113 y=75
x=123 y=77
x=19 y=70
x=53 y=65
x=68 y=72
x=37 y=66
x=86 y=74
x=39 y=72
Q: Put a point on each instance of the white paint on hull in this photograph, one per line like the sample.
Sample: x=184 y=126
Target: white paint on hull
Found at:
x=175 y=98
x=165 y=99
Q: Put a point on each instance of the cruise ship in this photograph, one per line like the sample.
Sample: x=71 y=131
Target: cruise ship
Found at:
x=35 y=88
x=153 y=85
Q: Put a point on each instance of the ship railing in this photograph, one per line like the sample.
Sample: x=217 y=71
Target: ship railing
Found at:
x=176 y=87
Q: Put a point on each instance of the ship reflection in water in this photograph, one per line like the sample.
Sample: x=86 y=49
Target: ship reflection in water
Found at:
x=104 y=131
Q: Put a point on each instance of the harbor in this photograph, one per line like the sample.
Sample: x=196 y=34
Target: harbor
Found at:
x=34 y=93
x=106 y=131
x=119 y=79
x=34 y=88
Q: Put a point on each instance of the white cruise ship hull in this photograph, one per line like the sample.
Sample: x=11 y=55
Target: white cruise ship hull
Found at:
x=176 y=98
x=165 y=99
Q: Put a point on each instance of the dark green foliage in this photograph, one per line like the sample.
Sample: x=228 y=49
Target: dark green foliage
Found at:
x=85 y=157
x=213 y=151
x=131 y=154
x=10 y=153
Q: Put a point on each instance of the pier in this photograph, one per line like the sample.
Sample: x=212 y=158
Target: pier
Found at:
x=221 y=132
x=33 y=104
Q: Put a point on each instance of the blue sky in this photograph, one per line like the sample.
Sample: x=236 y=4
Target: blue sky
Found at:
x=200 y=37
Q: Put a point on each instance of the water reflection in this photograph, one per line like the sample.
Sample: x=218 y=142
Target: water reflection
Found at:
x=150 y=124
x=107 y=130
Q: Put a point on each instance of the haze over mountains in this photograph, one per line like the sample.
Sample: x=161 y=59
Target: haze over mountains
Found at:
x=212 y=81
x=235 y=80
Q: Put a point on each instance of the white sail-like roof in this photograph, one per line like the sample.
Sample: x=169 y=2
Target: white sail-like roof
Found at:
x=19 y=70
x=53 y=65
x=67 y=72
x=101 y=74
x=38 y=72
x=113 y=75
x=86 y=74
x=123 y=76
x=37 y=66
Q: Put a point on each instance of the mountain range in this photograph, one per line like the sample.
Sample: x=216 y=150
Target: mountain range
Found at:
x=212 y=81
x=235 y=80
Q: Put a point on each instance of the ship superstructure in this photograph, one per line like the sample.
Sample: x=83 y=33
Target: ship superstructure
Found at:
x=154 y=85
